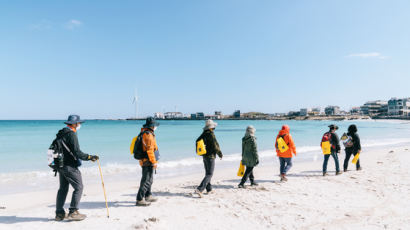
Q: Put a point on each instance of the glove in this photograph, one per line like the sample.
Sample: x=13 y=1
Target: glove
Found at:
x=94 y=158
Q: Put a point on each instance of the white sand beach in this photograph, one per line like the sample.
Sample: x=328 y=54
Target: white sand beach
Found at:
x=375 y=198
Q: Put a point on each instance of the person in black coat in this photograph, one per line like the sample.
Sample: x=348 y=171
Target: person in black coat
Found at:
x=69 y=174
x=352 y=148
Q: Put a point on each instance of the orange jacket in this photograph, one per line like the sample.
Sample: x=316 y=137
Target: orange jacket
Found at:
x=289 y=141
x=149 y=145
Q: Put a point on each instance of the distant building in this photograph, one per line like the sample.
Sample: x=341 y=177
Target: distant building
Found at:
x=218 y=115
x=305 y=112
x=294 y=113
x=374 y=108
x=399 y=107
x=332 y=110
x=355 y=111
x=193 y=116
x=173 y=115
x=159 y=116
x=278 y=114
x=237 y=114
x=200 y=116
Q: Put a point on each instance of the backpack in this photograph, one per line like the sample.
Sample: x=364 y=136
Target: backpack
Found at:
x=138 y=152
x=281 y=144
x=325 y=143
x=55 y=154
x=347 y=140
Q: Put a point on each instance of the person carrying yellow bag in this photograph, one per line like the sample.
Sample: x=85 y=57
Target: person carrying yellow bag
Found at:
x=352 y=147
x=250 y=157
x=285 y=147
x=331 y=147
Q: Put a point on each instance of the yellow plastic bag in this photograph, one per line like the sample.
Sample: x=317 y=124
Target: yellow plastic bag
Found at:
x=133 y=145
x=200 y=147
x=356 y=158
x=326 y=148
x=283 y=147
x=241 y=170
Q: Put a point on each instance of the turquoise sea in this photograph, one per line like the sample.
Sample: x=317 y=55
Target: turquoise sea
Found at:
x=23 y=144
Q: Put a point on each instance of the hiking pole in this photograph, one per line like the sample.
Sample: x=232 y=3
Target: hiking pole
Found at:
x=105 y=195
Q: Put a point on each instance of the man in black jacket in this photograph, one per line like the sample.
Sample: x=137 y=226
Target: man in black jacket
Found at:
x=69 y=174
x=335 y=150
x=212 y=149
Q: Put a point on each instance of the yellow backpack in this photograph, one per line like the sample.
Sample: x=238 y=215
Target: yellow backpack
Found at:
x=326 y=148
x=282 y=146
x=200 y=147
x=133 y=145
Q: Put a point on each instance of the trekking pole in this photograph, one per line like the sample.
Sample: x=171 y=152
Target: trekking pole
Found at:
x=105 y=195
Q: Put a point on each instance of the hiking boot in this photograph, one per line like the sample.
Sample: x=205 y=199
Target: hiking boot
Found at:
x=209 y=192
x=325 y=174
x=283 y=177
x=344 y=170
x=199 y=193
x=142 y=203
x=76 y=216
x=151 y=199
x=60 y=216
x=338 y=173
x=358 y=169
x=254 y=183
x=241 y=186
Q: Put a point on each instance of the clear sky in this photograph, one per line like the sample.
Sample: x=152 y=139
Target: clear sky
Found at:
x=88 y=57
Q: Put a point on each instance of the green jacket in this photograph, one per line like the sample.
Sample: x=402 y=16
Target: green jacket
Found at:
x=250 y=156
x=211 y=144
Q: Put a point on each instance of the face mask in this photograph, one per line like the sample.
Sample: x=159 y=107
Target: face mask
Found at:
x=155 y=128
x=78 y=127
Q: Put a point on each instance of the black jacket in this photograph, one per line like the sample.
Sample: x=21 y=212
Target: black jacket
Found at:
x=211 y=144
x=356 y=143
x=334 y=141
x=71 y=140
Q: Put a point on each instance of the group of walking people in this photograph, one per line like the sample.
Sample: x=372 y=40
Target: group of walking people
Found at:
x=147 y=150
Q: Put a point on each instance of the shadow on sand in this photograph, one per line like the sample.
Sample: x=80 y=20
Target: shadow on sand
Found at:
x=98 y=204
x=16 y=219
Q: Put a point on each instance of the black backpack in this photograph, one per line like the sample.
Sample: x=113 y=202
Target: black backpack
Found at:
x=56 y=154
x=139 y=154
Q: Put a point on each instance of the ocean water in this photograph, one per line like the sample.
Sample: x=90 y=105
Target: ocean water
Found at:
x=23 y=144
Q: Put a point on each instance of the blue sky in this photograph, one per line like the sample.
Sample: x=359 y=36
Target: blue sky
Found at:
x=87 y=57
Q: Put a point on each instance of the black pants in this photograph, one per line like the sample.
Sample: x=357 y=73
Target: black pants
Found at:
x=335 y=157
x=248 y=173
x=69 y=175
x=209 y=164
x=349 y=153
x=146 y=182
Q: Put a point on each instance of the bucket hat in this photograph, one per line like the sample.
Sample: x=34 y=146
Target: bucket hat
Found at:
x=73 y=119
x=150 y=122
x=210 y=124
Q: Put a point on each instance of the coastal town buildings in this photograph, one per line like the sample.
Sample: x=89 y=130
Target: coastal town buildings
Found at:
x=374 y=108
x=173 y=115
x=237 y=114
x=305 y=111
x=399 y=107
x=159 y=116
x=332 y=110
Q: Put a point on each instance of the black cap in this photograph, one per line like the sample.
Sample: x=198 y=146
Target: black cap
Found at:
x=150 y=122
x=73 y=119
x=333 y=127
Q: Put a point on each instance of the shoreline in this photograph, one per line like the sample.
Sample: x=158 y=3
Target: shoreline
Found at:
x=376 y=198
